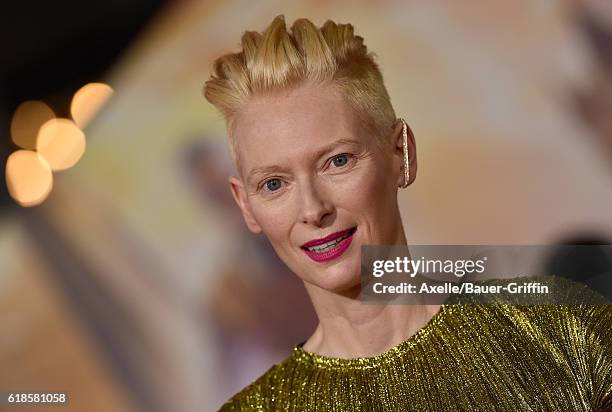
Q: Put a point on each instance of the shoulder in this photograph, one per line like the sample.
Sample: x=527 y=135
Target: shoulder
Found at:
x=548 y=302
x=258 y=395
x=571 y=317
x=251 y=397
x=574 y=324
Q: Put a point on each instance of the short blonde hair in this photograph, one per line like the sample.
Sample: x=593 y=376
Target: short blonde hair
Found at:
x=278 y=59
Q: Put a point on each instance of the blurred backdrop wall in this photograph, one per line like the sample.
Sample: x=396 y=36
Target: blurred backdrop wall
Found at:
x=136 y=286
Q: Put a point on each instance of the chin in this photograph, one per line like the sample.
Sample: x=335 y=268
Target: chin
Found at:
x=338 y=278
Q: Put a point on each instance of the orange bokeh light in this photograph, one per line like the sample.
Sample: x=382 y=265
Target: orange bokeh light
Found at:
x=26 y=122
x=28 y=177
x=61 y=143
x=87 y=101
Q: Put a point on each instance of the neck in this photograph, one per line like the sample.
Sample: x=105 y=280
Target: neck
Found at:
x=349 y=328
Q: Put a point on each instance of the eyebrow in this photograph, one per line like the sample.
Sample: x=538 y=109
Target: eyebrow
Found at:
x=268 y=169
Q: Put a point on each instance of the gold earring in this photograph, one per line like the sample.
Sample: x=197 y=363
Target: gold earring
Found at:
x=406 y=161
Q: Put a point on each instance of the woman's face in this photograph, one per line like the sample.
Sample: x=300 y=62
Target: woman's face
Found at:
x=308 y=170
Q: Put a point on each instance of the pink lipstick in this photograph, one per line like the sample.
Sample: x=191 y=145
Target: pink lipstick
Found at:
x=330 y=247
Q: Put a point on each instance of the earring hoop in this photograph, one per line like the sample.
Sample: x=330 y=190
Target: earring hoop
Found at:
x=406 y=161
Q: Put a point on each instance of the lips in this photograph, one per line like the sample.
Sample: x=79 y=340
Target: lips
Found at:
x=330 y=247
x=329 y=238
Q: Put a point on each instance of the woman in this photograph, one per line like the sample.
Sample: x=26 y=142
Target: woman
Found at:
x=320 y=155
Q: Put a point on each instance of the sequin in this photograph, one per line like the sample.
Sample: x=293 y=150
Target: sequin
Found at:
x=468 y=357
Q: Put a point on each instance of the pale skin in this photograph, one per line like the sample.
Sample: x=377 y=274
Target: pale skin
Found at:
x=328 y=175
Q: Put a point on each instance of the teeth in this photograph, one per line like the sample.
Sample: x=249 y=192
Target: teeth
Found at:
x=326 y=246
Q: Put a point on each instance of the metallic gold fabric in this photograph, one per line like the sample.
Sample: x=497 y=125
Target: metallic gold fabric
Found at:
x=469 y=357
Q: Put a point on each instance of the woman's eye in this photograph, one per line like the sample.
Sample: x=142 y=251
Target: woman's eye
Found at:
x=273 y=184
x=340 y=160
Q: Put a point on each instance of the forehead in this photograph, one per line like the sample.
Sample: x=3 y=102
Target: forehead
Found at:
x=280 y=128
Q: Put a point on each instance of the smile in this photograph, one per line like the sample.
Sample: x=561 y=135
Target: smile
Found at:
x=330 y=247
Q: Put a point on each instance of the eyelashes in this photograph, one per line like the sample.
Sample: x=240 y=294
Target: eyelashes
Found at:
x=273 y=185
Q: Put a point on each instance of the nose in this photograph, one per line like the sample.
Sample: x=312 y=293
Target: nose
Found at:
x=314 y=208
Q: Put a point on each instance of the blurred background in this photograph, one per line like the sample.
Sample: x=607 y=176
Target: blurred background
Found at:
x=127 y=277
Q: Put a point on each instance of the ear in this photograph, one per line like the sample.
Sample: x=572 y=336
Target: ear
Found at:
x=398 y=150
x=240 y=196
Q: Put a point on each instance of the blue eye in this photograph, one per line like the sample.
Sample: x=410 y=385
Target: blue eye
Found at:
x=340 y=160
x=273 y=184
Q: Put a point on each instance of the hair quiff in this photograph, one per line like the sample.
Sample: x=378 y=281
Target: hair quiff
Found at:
x=278 y=59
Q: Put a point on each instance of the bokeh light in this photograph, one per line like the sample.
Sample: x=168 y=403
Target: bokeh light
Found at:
x=61 y=143
x=87 y=101
x=28 y=177
x=26 y=122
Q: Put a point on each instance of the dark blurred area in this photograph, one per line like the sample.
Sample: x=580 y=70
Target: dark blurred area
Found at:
x=49 y=49
x=586 y=259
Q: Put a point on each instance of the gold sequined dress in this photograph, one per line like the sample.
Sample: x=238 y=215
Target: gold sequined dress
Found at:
x=468 y=357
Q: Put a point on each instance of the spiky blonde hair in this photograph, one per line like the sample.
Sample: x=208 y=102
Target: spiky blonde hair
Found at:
x=278 y=59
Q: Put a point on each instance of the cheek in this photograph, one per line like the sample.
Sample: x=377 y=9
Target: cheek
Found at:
x=275 y=218
x=369 y=189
